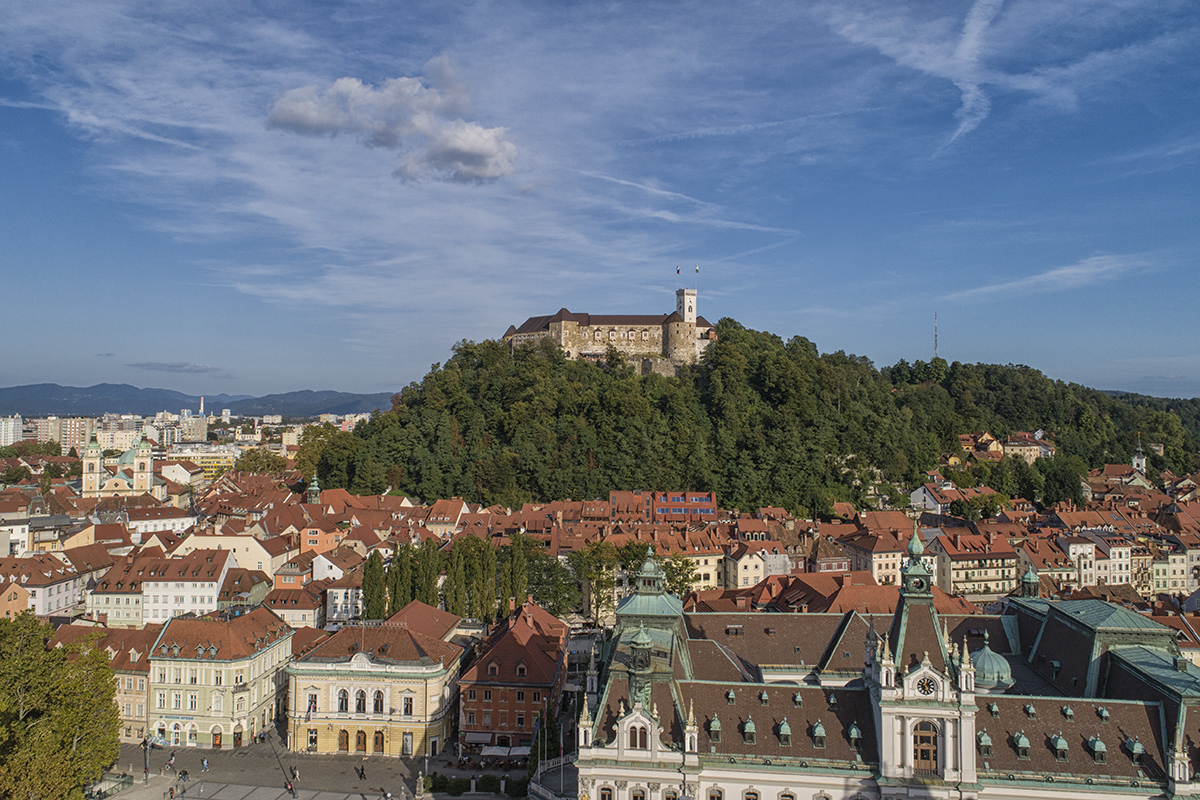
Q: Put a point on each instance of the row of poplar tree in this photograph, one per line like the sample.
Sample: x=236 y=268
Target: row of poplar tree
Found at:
x=480 y=577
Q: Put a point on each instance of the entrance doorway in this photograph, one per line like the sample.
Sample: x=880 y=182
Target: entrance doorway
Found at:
x=237 y=736
x=216 y=740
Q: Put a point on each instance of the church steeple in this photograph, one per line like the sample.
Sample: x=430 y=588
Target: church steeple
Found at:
x=1139 y=457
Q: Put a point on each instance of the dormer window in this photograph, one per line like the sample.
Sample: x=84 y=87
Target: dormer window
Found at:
x=1021 y=742
x=749 y=731
x=1068 y=712
x=714 y=730
x=1102 y=713
x=1099 y=751
x=985 y=744
x=1136 y=750
x=730 y=697
x=520 y=670
x=994 y=709
x=493 y=670
x=1059 y=745
x=785 y=733
x=798 y=700
x=855 y=735
x=763 y=699
x=1030 y=711
x=818 y=735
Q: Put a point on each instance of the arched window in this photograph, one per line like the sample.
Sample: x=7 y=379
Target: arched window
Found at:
x=344 y=741
x=749 y=795
x=360 y=702
x=925 y=747
x=360 y=741
x=378 y=741
x=637 y=794
x=642 y=743
x=520 y=670
x=343 y=701
x=378 y=702
x=606 y=793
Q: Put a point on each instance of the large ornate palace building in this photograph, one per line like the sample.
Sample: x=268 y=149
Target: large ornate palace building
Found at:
x=1079 y=699
x=661 y=341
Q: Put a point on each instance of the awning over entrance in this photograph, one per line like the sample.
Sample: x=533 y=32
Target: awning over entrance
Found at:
x=494 y=751
x=516 y=752
x=477 y=737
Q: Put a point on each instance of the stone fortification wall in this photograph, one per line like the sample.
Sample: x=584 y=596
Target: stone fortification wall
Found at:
x=594 y=340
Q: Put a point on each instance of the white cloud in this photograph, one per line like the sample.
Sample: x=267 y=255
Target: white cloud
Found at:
x=1073 y=276
x=424 y=121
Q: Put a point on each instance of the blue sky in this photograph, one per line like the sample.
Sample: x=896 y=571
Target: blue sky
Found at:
x=260 y=197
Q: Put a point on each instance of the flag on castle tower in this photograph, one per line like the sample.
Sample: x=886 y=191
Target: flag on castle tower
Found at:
x=697 y=268
x=676 y=269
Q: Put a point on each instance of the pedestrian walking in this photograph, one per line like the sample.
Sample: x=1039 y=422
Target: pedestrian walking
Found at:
x=172 y=791
x=204 y=765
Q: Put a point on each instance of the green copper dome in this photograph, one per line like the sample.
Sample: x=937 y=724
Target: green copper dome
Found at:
x=992 y=670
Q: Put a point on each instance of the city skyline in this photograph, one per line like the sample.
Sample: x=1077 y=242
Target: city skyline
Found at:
x=228 y=199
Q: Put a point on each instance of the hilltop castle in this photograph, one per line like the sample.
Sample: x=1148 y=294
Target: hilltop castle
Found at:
x=662 y=342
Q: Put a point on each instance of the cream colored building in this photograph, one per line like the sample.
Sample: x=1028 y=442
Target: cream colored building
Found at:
x=217 y=680
x=387 y=690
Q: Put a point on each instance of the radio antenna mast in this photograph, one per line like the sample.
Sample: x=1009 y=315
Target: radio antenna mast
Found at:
x=935 y=341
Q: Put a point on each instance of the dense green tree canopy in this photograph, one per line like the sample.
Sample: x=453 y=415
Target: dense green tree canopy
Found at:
x=58 y=721
x=260 y=461
x=760 y=421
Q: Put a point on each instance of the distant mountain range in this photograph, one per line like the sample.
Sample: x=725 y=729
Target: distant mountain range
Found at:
x=42 y=399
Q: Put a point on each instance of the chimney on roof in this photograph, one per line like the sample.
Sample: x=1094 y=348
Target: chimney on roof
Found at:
x=512 y=604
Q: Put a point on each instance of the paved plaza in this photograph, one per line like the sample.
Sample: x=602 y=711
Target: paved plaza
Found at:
x=261 y=772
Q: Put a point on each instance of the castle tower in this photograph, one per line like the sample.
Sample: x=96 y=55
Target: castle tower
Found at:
x=685 y=304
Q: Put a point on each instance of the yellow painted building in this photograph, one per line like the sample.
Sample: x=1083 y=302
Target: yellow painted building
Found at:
x=387 y=690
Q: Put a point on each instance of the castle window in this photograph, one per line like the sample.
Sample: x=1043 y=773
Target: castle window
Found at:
x=598 y=339
x=612 y=335
x=1099 y=751
x=818 y=735
x=749 y=732
x=606 y=793
x=645 y=335
x=637 y=738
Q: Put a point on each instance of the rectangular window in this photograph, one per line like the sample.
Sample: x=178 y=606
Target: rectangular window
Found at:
x=217 y=678
x=487 y=718
x=520 y=697
x=470 y=694
x=487 y=694
x=470 y=717
x=520 y=720
x=408 y=706
x=193 y=701
x=177 y=701
x=537 y=697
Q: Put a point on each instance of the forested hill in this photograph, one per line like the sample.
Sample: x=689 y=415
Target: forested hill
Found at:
x=760 y=421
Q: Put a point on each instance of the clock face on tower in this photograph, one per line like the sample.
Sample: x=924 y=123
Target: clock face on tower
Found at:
x=918 y=584
x=927 y=686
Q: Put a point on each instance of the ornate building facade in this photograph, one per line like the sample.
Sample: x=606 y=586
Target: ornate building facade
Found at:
x=1078 y=699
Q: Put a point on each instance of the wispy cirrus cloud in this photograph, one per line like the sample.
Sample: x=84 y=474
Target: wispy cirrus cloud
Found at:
x=177 y=367
x=1072 y=276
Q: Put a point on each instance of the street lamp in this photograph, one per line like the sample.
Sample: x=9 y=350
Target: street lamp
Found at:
x=145 y=759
